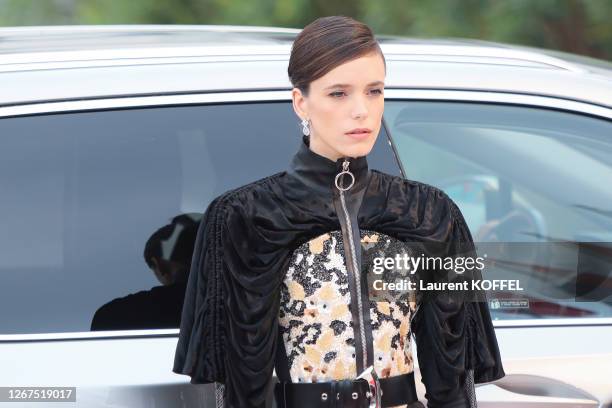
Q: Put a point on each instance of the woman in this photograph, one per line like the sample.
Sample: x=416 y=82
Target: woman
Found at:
x=278 y=277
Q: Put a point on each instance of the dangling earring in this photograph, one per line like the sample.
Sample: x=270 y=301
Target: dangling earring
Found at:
x=305 y=127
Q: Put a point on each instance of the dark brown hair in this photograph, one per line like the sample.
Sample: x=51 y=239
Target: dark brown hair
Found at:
x=325 y=44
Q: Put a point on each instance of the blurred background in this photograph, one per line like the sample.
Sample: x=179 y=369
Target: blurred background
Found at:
x=577 y=26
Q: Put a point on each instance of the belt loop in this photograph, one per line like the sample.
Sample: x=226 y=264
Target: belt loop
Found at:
x=346 y=388
x=333 y=395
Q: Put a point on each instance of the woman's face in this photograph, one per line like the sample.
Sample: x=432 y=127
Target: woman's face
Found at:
x=349 y=97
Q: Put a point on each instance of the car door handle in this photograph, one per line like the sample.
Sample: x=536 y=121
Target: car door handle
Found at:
x=541 y=386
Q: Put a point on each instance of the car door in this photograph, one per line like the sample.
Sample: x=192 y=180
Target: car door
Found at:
x=533 y=177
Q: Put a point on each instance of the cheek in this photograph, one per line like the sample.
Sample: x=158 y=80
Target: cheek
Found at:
x=378 y=107
x=330 y=113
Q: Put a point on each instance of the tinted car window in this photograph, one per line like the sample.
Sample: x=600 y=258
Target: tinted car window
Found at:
x=534 y=180
x=99 y=209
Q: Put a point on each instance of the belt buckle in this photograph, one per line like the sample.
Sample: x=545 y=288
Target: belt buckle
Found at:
x=374 y=393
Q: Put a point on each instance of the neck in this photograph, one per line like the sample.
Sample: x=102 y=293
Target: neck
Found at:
x=322 y=149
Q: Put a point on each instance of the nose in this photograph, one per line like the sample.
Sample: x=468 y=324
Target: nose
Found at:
x=360 y=109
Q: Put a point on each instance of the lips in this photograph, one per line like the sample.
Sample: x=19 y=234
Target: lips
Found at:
x=359 y=134
x=358 y=131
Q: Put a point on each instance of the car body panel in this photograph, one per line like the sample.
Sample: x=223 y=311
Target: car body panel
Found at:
x=160 y=61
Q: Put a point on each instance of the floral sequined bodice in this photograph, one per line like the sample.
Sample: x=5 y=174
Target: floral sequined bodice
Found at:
x=315 y=315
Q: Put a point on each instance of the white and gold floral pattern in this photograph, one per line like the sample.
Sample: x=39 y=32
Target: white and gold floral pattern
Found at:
x=315 y=316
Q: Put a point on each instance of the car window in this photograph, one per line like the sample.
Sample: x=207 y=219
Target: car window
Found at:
x=99 y=210
x=533 y=184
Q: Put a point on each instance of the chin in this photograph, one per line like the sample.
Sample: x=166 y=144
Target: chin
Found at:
x=358 y=150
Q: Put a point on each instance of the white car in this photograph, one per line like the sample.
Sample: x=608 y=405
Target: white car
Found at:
x=113 y=140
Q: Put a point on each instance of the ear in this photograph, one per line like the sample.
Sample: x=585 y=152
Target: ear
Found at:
x=154 y=260
x=300 y=103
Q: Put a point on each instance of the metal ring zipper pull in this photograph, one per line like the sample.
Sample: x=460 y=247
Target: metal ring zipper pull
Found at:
x=345 y=170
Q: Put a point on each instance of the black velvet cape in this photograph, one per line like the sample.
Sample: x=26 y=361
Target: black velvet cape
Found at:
x=229 y=322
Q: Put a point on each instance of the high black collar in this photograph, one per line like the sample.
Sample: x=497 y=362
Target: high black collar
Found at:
x=318 y=173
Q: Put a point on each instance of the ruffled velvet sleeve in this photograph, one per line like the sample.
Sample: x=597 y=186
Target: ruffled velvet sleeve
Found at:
x=200 y=348
x=227 y=332
x=456 y=342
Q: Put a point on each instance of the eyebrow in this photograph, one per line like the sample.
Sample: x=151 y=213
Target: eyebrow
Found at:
x=348 y=85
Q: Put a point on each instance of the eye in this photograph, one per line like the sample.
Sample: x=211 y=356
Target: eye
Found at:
x=376 y=91
x=337 y=94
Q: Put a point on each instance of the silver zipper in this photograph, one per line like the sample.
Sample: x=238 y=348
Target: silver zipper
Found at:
x=353 y=261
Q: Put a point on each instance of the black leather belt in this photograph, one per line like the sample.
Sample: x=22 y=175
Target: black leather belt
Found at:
x=396 y=390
